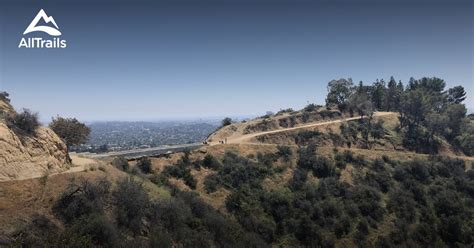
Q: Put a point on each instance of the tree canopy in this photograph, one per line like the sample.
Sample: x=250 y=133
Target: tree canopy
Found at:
x=70 y=130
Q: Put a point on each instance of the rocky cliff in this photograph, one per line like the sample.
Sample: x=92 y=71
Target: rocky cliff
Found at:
x=29 y=156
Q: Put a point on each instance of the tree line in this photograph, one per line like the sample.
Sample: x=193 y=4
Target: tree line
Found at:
x=428 y=112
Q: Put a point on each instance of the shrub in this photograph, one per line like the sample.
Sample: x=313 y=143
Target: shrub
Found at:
x=26 y=121
x=282 y=111
x=323 y=167
x=160 y=238
x=284 y=151
x=159 y=179
x=4 y=96
x=211 y=183
x=82 y=199
x=403 y=205
x=131 y=204
x=189 y=180
x=320 y=166
x=304 y=137
x=310 y=107
x=121 y=163
x=144 y=164
x=97 y=228
x=226 y=121
x=210 y=162
x=181 y=171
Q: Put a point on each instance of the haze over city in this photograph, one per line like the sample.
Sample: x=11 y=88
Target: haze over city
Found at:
x=173 y=60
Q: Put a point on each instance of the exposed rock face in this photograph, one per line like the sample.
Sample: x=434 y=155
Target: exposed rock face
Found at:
x=29 y=156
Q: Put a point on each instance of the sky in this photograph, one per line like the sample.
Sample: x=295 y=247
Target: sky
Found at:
x=151 y=60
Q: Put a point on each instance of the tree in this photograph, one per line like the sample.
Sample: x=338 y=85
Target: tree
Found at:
x=378 y=94
x=393 y=95
x=70 y=130
x=456 y=94
x=226 y=121
x=339 y=92
x=466 y=139
x=361 y=104
x=456 y=114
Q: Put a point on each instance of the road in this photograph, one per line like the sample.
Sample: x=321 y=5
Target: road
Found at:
x=136 y=153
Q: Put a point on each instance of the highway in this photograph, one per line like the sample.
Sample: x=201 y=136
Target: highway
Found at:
x=136 y=153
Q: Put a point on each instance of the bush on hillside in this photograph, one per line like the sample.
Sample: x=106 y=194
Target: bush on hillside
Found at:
x=310 y=107
x=26 y=121
x=82 y=199
x=131 y=202
x=284 y=152
x=144 y=164
x=226 y=121
x=282 y=111
x=210 y=162
x=4 y=96
x=121 y=163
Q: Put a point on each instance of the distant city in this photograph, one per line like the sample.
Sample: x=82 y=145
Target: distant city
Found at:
x=120 y=135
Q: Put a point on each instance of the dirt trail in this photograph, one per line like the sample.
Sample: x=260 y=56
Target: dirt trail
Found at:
x=78 y=164
x=241 y=139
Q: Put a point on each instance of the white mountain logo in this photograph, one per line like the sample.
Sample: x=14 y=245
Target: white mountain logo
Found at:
x=48 y=19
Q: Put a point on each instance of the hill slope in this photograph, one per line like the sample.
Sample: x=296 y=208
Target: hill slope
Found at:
x=24 y=156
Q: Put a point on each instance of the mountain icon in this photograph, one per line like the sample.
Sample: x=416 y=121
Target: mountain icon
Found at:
x=47 y=19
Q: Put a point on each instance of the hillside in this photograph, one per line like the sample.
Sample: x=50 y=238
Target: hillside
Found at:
x=348 y=175
x=25 y=156
x=323 y=127
x=250 y=194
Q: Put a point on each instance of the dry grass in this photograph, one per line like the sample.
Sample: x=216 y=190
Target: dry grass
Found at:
x=20 y=200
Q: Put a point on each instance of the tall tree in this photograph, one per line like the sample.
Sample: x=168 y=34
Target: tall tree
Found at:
x=339 y=92
x=378 y=94
x=393 y=95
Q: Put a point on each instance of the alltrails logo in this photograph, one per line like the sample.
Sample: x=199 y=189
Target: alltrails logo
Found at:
x=38 y=42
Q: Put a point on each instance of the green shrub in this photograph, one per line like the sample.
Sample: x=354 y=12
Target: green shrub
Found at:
x=284 y=152
x=97 y=228
x=131 y=204
x=82 y=199
x=210 y=162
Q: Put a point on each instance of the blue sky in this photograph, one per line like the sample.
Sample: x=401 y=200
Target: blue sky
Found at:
x=148 y=60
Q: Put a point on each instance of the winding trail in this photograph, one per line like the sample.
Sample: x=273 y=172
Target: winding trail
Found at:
x=244 y=139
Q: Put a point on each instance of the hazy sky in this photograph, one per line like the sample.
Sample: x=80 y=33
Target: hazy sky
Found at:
x=143 y=60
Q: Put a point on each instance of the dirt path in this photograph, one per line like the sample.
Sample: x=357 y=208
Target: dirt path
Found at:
x=247 y=137
x=78 y=164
